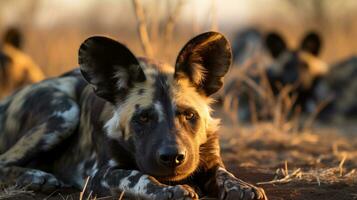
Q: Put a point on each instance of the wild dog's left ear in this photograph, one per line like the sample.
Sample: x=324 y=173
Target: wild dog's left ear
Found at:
x=109 y=66
x=204 y=60
x=311 y=43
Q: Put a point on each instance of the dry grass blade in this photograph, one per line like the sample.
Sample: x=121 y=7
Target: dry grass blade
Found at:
x=252 y=108
x=13 y=191
x=286 y=172
x=309 y=122
x=340 y=166
x=283 y=105
x=121 y=195
x=252 y=84
x=90 y=196
x=50 y=195
x=286 y=179
x=318 y=178
x=142 y=28
x=84 y=189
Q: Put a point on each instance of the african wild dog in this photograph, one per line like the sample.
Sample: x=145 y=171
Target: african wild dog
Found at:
x=300 y=68
x=139 y=126
x=16 y=68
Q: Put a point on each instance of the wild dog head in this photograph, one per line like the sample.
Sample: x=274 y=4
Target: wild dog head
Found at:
x=162 y=113
x=13 y=37
x=295 y=66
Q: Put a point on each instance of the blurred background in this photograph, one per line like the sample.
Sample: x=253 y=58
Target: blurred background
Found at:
x=289 y=153
x=53 y=30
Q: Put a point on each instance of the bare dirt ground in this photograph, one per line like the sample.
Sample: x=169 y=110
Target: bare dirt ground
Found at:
x=319 y=165
x=311 y=164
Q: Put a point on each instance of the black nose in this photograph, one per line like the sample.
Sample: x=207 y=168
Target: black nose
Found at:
x=171 y=156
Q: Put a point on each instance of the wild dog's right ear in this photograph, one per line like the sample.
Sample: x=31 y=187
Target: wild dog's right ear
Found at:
x=110 y=67
x=275 y=44
x=13 y=37
x=311 y=43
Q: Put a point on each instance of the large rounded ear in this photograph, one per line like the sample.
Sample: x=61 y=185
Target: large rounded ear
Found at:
x=311 y=43
x=204 y=60
x=109 y=67
x=275 y=44
x=13 y=36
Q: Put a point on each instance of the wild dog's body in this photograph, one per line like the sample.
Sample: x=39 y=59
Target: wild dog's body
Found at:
x=339 y=89
x=143 y=128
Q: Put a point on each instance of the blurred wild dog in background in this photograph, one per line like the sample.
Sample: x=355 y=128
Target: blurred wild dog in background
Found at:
x=266 y=65
x=299 y=67
x=16 y=68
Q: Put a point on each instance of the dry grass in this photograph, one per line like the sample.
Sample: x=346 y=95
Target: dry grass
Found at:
x=312 y=154
x=90 y=194
x=278 y=108
x=13 y=191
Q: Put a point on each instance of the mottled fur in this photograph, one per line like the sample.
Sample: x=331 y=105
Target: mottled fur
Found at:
x=130 y=124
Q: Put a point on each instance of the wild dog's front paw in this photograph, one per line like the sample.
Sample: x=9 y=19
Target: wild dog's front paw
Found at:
x=238 y=189
x=232 y=188
x=37 y=180
x=178 y=192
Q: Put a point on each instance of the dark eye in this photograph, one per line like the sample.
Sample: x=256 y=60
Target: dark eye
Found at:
x=144 y=118
x=189 y=115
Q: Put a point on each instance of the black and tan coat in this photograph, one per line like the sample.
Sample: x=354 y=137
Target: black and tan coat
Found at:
x=267 y=76
x=300 y=67
x=139 y=126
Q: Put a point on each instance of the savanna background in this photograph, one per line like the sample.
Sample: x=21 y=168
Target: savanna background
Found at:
x=289 y=158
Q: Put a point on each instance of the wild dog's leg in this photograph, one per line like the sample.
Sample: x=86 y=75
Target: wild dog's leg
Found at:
x=138 y=185
x=56 y=123
x=221 y=183
x=30 y=179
